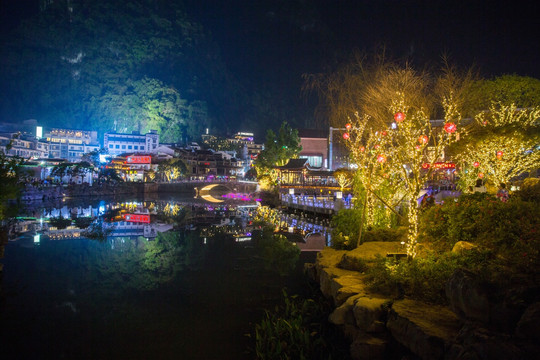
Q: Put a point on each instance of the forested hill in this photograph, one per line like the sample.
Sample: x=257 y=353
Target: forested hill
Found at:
x=124 y=65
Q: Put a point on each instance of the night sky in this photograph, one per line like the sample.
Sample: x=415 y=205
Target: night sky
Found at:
x=270 y=43
x=277 y=40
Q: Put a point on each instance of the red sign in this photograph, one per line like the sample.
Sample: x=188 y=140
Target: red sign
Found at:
x=439 y=165
x=138 y=159
x=139 y=218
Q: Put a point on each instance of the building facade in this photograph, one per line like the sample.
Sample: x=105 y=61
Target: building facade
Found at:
x=116 y=143
x=71 y=144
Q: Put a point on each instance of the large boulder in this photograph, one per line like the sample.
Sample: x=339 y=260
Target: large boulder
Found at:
x=528 y=326
x=467 y=297
x=367 y=347
x=368 y=310
x=427 y=330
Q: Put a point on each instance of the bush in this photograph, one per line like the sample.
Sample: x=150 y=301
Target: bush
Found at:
x=296 y=330
x=345 y=227
x=425 y=278
x=385 y=234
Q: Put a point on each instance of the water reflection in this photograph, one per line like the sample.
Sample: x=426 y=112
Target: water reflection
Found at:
x=168 y=278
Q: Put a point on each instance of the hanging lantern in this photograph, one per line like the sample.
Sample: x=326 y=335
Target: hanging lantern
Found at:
x=423 y=139
x=399 y=117
x=346 y=136
x=384 y=133
x=376 y=146
x=381 y=158
x=476 y=164
x=417 y=147
x=450 y=127
x=348 y=126
x=362 y=148
x=480 y=175
x=499 y=155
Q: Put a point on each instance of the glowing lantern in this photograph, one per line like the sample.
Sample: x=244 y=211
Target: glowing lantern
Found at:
x=480 y=175
x=376 y=146
x=450 y=127
x=423 y=139
x=346 y=136
x=362 y=148
x=348 y=126
x=417 y=147
x=499 y=155
x=399 y=117
x=476 y=164
x=381 y=158
x=384 y=133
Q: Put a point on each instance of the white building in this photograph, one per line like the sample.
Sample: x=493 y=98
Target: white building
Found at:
x=71 y=144
x=117 y=144
x=24 y=146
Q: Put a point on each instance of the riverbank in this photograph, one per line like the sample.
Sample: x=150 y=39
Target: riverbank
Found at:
x=382 y=327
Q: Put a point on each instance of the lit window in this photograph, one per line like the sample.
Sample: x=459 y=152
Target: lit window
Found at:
x=110 y=146
x=129 y=147
x=118 y=146
x=123 y=147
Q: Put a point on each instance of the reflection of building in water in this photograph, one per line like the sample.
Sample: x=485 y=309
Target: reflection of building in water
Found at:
x=132 y=229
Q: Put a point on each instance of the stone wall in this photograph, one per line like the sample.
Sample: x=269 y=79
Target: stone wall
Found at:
x=380 y=327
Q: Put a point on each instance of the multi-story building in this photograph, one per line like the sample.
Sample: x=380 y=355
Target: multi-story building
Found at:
x=71 y=144
x=24 y=145
x=207 y=163
x=116 y=143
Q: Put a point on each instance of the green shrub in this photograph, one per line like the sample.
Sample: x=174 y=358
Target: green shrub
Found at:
x=530 y=190
x=293 y=331
x=345 y=227
x=385 y=234
x=425 y=278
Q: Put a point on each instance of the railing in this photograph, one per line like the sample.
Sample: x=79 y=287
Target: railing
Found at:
x=321 y=204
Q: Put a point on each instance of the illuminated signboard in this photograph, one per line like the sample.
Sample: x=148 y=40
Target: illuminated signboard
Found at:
x=138 y=159
x=439 y=165
x=139 y=218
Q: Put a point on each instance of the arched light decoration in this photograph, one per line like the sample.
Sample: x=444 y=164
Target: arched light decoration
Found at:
x=499 y=155
x=450 y=127
x=348 y=126
x=381 y=158
x=423 y=139
x=480 y=175
x=399 y=117
x=476 y=164
x=346 y=136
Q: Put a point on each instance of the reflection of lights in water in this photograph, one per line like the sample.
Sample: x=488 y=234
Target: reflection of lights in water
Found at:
x=210 y=198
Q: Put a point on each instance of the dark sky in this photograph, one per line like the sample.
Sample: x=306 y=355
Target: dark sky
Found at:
x=289 y=37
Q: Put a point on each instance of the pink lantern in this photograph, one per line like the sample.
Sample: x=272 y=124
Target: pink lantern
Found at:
x=346 y=136
x=381 y=158
x=499 y=155
x=399 y=117
x=476 y=164
x=348 y=126
x=450 y=127
x=423 y=139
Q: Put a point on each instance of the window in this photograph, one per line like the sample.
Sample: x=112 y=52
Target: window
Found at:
x=129 y=147
x=136 y=147
x=142 y=147
x=110 y=146
x=123 y=147
x=118 y=146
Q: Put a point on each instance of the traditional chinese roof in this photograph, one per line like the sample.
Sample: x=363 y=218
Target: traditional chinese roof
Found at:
x=294 y=164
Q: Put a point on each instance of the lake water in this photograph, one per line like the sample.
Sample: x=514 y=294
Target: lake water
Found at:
x=160 y=279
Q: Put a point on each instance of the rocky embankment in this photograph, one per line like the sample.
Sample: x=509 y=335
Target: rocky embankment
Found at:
x=471 y=327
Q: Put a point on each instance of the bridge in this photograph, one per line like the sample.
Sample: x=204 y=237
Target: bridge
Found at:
x=194 y=187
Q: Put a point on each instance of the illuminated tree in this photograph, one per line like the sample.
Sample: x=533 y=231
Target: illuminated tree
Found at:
x=344 y=178
x=503 y=145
